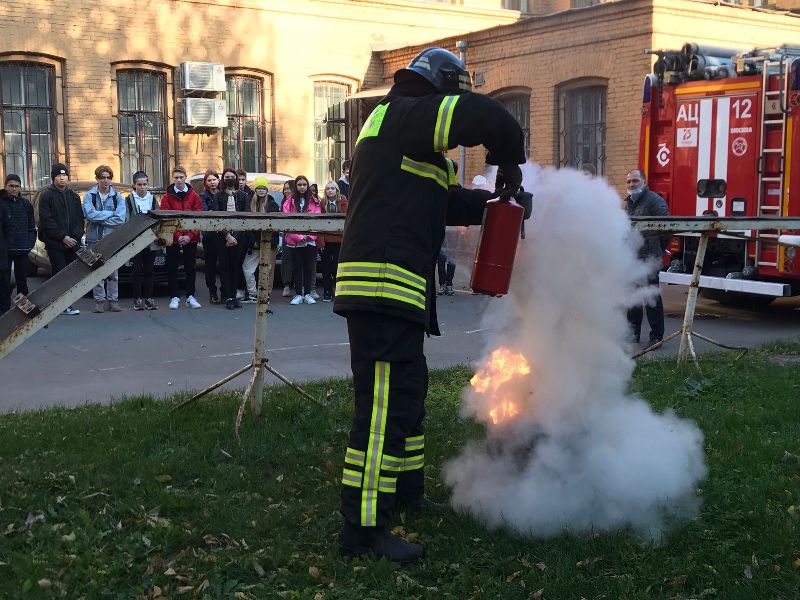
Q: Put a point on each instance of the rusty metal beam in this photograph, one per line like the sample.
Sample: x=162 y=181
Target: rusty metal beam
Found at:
x=655 y=225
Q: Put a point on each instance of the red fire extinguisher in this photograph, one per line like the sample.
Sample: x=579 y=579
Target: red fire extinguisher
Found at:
x=494 y=259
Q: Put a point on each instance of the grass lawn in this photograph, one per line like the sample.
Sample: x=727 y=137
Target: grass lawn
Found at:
x=130 y=501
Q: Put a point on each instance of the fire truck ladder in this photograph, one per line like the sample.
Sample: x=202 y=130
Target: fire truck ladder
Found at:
x=774 y=113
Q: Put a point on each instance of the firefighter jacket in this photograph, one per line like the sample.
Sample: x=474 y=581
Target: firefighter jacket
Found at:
x=402 y=195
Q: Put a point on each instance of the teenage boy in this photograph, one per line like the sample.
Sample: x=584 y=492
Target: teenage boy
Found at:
x=60 y=222
x=21 y=212
x=181 y=196
x=141 y=201
x=104 y=210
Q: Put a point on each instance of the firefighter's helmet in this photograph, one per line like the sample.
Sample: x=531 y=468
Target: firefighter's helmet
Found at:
x=441 y=68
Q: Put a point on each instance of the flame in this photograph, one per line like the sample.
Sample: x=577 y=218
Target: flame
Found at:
x=506 y=410
x=502 y=366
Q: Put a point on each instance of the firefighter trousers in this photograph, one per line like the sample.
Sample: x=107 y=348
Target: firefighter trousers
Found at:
x=385 y=455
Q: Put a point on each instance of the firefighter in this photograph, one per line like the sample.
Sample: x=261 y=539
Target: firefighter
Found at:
x=402 y=195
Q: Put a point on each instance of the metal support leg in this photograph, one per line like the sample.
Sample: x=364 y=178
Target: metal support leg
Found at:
x=687 y=329
x=691 y=300
x=255 y=389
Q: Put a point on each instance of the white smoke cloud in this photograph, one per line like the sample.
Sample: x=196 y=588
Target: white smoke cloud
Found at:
x=583 y=454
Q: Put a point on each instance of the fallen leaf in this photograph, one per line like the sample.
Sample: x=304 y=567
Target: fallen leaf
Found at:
x=358 y=568
x=68 y=538
x=184 y=589
x=313 y=572
x=258 y=568
x=225 y=453
x=679 y=581
x=797 y=564
x=33 y=518
x=279 y=478
x=146 y=541
x=513 y=576
x=319 y=596
x=164 y=478
x=748 y=573
x=541 y=566
x=792 y=509
x=537 y=594
x=170 y=572
x=45 y=583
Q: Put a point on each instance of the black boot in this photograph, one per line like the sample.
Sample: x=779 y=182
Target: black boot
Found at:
x=357 y=541
x=213 y=298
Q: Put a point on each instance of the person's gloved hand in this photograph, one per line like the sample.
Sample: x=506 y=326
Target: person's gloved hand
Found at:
x=508 y=180
x=525 y=200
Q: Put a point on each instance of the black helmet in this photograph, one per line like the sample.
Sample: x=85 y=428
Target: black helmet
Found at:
x=441 y=68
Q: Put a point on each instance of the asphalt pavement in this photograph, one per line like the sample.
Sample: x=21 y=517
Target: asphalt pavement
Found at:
x=96 y=358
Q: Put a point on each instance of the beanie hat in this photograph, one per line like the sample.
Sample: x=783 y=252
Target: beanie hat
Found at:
x=58 y=169
x=260 y=182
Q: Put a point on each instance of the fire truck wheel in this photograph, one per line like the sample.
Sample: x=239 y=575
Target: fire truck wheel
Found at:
x=746 y=301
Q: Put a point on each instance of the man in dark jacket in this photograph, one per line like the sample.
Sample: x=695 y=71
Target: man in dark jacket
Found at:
x=231 y=244
x=21 y=211
x=400 y=202
x=60 y=222
x=643 y=202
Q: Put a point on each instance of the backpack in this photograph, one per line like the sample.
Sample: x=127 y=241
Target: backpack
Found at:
x=96 y=197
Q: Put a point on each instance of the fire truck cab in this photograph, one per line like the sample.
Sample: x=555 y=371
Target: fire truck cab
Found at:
x=720 y=136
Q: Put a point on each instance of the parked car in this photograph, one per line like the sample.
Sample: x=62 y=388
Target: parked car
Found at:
x=40 y=261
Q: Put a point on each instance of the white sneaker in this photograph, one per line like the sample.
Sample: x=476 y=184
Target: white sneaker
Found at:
x=314 y=294
x=71 y=310
x=192 y=302
x=287 y=291
x=174 y=303
x=309 y=299
x=296 y=300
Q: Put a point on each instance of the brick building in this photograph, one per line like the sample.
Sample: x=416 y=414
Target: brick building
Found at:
x=574 y=78
x=88 y=82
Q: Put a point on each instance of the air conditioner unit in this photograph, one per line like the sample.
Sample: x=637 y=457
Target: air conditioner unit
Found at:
x=204 y=112
x=202 y=77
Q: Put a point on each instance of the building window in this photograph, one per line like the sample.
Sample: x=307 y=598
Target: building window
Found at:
x=585 y=3
x=330 y=127
x=142 y=125
x=244 y=143
x=582 y=128
x=752 y=3
x=27 y=120
x=520 y=108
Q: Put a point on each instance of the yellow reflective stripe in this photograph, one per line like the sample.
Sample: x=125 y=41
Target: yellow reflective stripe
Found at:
x=351 y=478
x=387 y=484
x=412 y=445
x=377 y=429
x=391 y=463
x=373 y=125
x=411 y=463
x=415 y=438
x=444 y=118
x=372 y=289
x=354 y=457
x=451 y=173
x=381 y=271
x=423 y=169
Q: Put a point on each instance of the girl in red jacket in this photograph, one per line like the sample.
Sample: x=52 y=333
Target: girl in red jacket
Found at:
x=332 y=202
x=181 y=196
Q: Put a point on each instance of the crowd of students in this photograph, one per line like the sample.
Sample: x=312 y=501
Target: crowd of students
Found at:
x=231 y=257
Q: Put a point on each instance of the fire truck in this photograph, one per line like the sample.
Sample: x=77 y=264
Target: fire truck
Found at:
x=720 y=136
